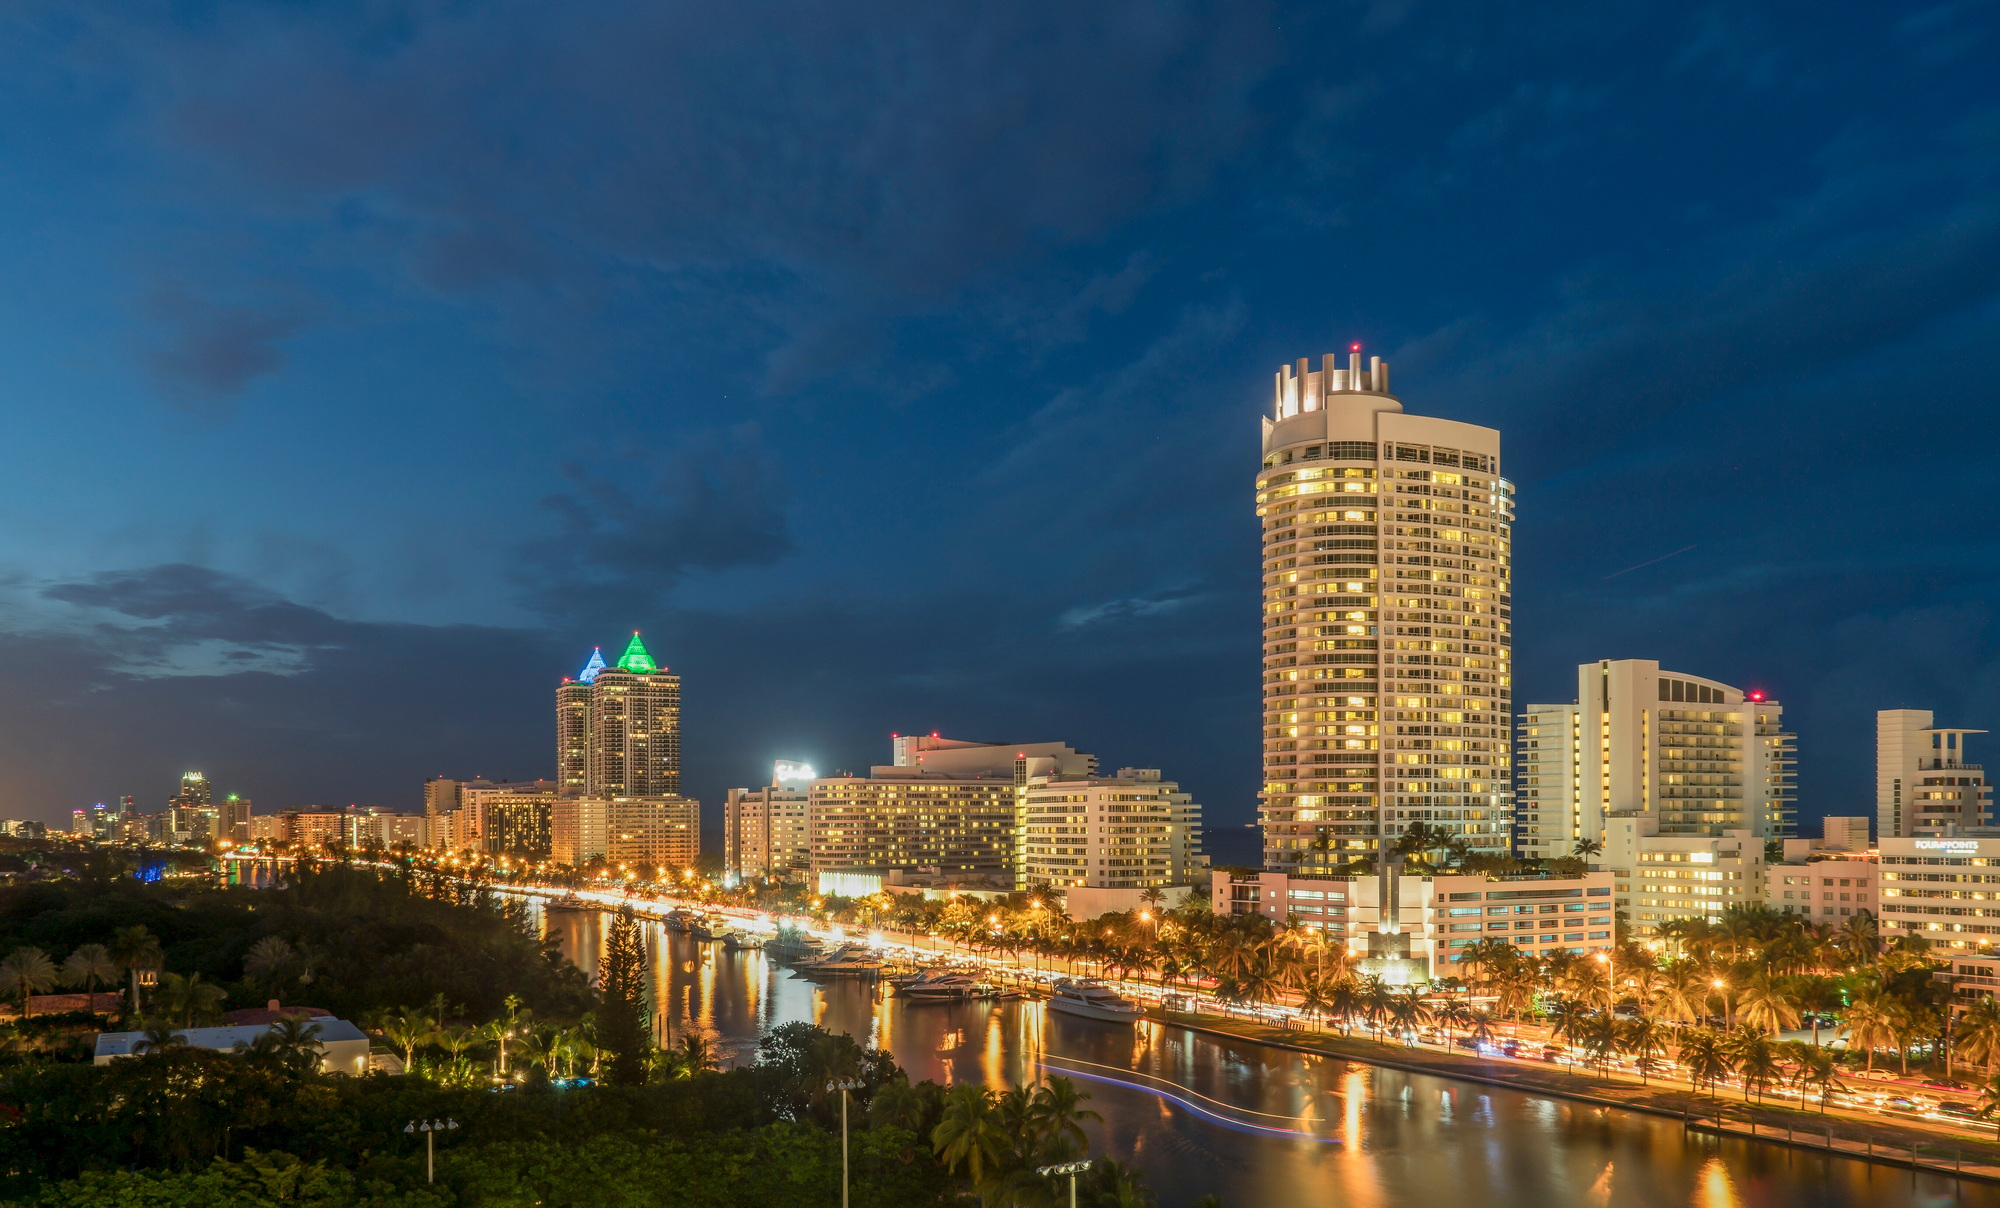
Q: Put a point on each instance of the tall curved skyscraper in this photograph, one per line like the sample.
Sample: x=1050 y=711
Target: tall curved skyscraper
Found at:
x=1388 y=560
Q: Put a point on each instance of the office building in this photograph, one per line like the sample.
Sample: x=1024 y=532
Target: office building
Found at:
x=1827 y=886
x=1441 y=915
x=628 y=719
x=1944 y=888
x=1131 y=831
x=1387 y=543
x=1705 y=758
x=766 y=832
x=1658 y=877
x=1924 y=785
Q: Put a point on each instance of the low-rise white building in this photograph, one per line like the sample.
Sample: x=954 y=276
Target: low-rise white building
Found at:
x=1443 y=915
x=1659 y=878
x=766 y=832
x=343 y=1047
x=1826 y=886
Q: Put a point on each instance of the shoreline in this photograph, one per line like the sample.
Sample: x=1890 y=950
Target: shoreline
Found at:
x=1709 y=1120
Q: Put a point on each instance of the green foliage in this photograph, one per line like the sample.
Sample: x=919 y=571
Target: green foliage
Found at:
x=352 y=940
x=622 y=1019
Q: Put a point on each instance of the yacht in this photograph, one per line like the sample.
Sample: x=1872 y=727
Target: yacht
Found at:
x=1094 y=1000
x=568 y=901
x=701 y=930
x=850 y=960
x=737 y=941
x=940 y=985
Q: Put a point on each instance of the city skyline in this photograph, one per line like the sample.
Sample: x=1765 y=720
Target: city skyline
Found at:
x=949 y=433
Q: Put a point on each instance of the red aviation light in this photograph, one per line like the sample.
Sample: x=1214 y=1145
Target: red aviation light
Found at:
x=1756 y=694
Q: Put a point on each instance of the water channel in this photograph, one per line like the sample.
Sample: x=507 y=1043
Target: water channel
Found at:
x=1386 y=1137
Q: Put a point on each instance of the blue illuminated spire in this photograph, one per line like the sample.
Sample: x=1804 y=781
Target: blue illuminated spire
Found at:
x=591 y=668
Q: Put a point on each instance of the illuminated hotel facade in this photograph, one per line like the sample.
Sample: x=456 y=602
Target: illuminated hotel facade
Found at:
x=1388 y=639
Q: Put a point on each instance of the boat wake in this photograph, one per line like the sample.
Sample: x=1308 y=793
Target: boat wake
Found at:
x=1214 y=1110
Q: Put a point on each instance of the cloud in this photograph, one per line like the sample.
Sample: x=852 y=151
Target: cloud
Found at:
x=630 y=530
x=213 y=350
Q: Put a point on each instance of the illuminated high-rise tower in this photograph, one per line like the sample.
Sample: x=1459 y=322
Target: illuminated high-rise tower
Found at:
x=1387 y=636
x=618 y=728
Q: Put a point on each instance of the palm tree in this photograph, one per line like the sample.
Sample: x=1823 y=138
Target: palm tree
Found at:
x=1816 y=1069
x=1701 y=1052
x=1754 y=1055
x=1858 y=940
x=1978 y=1033
x=1375 y=999
x=136 y=948
x=26 y=971
x=1646 y=1040
x=269 y=963
x=158 y=1037
x=969 y=1133
x=189 y=996
x=1679 y=993
x=89 y=965
x=408 y=1031
x=1408 y=1011
x=1766 y=1004
x=1115 y=1185
x=1344 y=1001
x=1818 y=994
x=1871 y=1023
x=293 y=1042
x=1989 y=1101
x=1057 y=1116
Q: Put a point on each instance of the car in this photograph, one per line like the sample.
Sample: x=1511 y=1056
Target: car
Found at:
x=1944 y=1084
x=1897 y=1103
x=1962 y=1111
x=1511 y=1048
x=1875 y=1075
x=1551 y=1053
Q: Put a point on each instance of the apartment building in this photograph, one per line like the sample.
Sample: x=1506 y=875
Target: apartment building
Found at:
x=1129 y=831
x=1703 y=757
x=1924 y=784
x=766 y=832
x=1945 y=888
x=1388 y=639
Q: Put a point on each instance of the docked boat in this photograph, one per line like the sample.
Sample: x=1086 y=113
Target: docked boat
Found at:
x=849 y=960
x=938 y=985
x=568 y=901
x=1094 y=1000
x=738 y=941
x=679 y=920
x=702 y=930
x=791 y=944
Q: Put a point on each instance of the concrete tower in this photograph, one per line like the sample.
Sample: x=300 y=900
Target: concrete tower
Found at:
x=1387 y=641
x=1924 y=785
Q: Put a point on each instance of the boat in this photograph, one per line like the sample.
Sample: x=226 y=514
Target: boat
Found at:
x=1094 y=1000
x=849 y=960
x=701 y=930
x=568 y=901
x=738 y=941
x=791 y=944
x=940 y=985
x=679 y=920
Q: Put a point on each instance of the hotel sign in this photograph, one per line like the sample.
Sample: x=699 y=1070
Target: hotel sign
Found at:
x=1950 y=847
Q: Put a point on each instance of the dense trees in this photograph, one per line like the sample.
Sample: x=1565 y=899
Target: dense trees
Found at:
x=622 y=1015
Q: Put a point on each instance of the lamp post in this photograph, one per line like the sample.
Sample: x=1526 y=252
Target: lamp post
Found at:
x=843 y=1085
x=430 y=1129
x=1072 y=1169
x=1610 y=960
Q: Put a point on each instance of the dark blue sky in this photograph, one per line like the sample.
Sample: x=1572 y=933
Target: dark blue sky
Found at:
x=898 y=368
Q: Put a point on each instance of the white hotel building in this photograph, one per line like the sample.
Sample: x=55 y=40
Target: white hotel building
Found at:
x=1388 y=557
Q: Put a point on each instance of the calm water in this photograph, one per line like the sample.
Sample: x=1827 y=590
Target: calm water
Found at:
x=1389 y=1138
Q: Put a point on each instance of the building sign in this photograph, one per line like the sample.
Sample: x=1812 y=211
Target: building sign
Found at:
x=788 y=772
x=1950 y=847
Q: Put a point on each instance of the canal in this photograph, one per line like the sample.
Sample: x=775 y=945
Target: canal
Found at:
x=1214 y=1115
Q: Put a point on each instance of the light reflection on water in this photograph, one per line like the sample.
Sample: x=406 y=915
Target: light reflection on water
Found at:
x=1388 y=1138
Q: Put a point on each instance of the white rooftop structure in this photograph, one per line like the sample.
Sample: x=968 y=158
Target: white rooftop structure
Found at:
x=343 y=1047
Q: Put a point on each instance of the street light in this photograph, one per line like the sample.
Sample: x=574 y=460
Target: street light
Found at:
x=843 y=1085
x=1072 y=1169
x=430 y=1129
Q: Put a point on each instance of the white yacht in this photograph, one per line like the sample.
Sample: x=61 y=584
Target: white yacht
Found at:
x=850 y=960
x=1094 y=1000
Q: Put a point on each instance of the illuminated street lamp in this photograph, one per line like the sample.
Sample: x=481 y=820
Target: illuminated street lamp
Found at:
x=430 y=1129
x=843 y=1085
x=1072 y=1169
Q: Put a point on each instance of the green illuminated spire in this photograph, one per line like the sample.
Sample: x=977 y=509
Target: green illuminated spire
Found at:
x=636 y=659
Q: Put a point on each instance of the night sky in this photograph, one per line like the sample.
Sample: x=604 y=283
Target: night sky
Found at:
x=898 y=367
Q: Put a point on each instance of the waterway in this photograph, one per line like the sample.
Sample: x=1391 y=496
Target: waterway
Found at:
x=1261 y=1126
